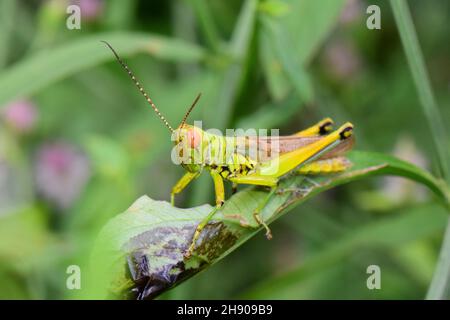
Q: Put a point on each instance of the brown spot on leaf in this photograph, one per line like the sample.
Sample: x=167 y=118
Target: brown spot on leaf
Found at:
x=242 y=220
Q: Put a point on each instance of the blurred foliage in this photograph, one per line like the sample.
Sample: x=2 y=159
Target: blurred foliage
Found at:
x=78 y=144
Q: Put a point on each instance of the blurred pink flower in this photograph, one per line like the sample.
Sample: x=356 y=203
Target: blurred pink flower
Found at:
x=399 y=189
x=90 y=9
x=352 y=12
x=21 y=115
x=342 y=59
x=61 y=172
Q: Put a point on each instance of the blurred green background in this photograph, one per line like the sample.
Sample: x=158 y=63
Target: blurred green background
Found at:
x=78 y=144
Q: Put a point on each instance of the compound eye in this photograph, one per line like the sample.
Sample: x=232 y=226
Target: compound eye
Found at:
x=194 y=138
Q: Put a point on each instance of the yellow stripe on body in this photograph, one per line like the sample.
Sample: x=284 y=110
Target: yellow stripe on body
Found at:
x=337 y=164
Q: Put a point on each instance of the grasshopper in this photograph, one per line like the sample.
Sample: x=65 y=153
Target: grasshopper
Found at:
x=315 y=150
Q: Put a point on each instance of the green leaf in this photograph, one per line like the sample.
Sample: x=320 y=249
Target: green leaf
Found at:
x=275 y=42
x=7 y=12
x=206 y=23
x=49 y=66
x=298 y=43
x=23 y=236
x=140 y=252
x=233 y=74
x=305 y=16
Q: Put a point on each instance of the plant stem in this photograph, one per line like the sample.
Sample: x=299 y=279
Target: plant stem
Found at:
x=422 y=82
x=439 y=287
x=441 y=279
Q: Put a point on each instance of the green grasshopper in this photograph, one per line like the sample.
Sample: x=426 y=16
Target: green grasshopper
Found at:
x=315 y=150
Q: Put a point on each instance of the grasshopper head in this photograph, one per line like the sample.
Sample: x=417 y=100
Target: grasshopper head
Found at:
x=188 y=135
x=188 y=143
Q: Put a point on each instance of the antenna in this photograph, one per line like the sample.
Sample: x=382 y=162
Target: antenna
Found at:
x=190 y=109
x=138 y=85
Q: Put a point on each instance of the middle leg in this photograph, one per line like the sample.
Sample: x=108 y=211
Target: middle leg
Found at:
x=220 y=198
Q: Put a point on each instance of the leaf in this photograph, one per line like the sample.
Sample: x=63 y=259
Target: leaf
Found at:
x=275 y=42
x=7 y=13
x=47 y=67
x=233 y=74
x=306 y=16
x=23 y=236
x=139 y=253
x=206 y=23
x=295 y=27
